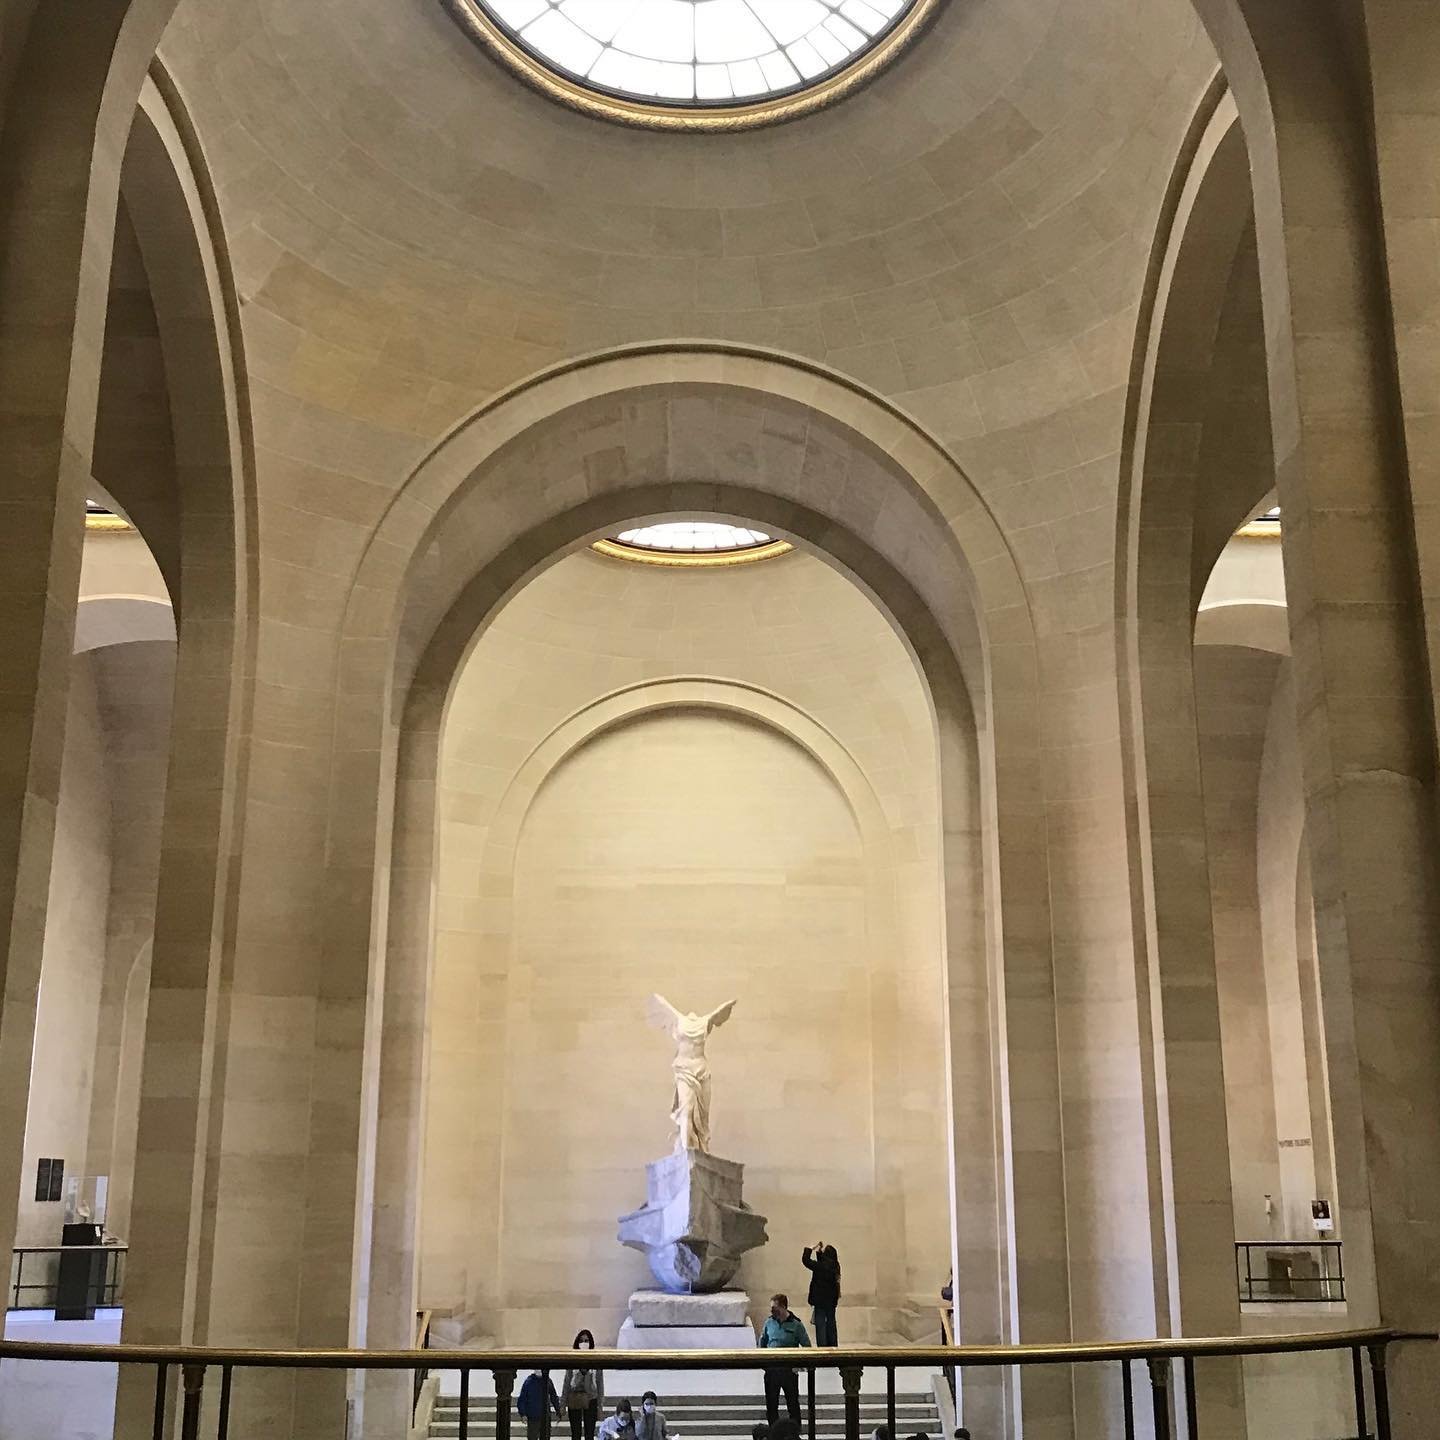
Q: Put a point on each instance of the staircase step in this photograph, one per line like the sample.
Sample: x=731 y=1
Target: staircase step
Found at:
x=708 y=1417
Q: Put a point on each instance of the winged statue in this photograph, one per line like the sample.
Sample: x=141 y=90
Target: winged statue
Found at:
x=690 y=1108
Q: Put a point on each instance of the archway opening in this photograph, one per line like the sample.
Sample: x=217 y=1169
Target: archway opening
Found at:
x=651 y=781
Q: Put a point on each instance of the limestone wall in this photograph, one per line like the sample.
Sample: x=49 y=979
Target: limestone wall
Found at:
x=73 y=965
x=706 y=852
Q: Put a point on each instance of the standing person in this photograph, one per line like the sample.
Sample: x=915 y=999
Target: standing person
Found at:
x=531 y=1400
x=651 y=1423
x=620 y=1425
x=583 y=1392
x=783 y=1331
x=823 y=1264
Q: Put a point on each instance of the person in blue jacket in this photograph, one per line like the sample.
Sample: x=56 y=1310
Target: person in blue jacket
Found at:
x=784 y=1330
x=530 y=1402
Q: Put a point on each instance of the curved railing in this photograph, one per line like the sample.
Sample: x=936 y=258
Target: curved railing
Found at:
x=1367 y=1349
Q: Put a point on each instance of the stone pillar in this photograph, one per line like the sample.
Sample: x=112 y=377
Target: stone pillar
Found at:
x=1363 y=691
x=56 y=227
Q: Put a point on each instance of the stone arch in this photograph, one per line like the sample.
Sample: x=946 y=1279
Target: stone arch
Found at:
x=180 y=240
x=1311 y=100
x=1195 y=461
x=652 y=430
x=117 y=619
x=68 y=85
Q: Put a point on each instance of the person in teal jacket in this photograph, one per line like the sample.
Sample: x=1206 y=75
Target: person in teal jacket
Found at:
x=783 y=1331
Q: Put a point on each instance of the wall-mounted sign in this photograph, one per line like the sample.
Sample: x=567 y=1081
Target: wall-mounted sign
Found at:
x=1320 y=1211
x=49 y=1180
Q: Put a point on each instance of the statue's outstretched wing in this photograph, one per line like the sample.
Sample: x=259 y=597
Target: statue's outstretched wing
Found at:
x=718 y=1017
x=662 y=1014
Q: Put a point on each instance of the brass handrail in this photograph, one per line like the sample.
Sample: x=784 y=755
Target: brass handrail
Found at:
x=1160 y=1357
x=843 y=1357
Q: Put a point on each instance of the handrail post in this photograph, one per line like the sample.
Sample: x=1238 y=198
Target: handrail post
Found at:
x=162 y=1375
x=890 y=1399
x=1362 y=1414
x=1192 y=1418
x=222 y=1429
x=850 y=1380
x=504 y=1389
x=465 y=1403
x=1381 y=1385
x=1127 y=1399
x=1160 y=1394
x=193 y=1378
x=810 y=1401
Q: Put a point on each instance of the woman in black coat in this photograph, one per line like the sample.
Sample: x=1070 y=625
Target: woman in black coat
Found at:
x=824 y=1266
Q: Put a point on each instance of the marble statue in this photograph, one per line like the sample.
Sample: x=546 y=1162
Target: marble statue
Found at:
x=690 y=1109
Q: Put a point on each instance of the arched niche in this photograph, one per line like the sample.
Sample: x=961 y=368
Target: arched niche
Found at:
x=792 y=449
x=484 y=1228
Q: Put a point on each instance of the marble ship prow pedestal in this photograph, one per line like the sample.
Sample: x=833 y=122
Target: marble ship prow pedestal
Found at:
x=693 y=1228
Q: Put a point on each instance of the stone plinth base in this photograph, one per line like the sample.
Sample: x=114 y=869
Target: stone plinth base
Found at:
x=660 y=1321
x=694 y=1226
x=659 y=1307
x=685 y=1337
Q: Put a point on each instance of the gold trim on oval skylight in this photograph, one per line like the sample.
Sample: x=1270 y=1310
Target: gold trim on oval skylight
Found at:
x=691 y=559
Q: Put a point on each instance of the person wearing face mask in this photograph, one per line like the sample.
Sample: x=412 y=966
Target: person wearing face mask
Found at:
x=651 y=1424
x=620 y=1425
x=583 y=1392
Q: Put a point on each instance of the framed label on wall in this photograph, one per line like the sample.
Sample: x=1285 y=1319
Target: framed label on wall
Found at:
x=49 y=1180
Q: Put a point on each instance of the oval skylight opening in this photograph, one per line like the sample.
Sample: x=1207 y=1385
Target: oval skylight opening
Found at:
x=692 y=542
x=691 y=55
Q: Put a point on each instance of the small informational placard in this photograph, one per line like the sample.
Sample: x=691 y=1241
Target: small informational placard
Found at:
x=1320 y=1211
x=49 y=1178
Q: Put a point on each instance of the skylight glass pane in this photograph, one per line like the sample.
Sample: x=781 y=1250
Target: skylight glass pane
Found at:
x=728 y=30
x=659 y=30
x=712 y=82
x=788 y=20
x=560 y=40
x=748 y=78
x=599 y=19
x=638 y=47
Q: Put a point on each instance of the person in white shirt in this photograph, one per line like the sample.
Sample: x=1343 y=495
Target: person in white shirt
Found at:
x=620 y=1425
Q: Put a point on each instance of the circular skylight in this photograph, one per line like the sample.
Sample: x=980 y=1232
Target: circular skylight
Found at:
x=696 y=54
x=692 y=542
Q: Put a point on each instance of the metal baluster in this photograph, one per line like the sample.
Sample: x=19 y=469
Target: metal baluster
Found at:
x=544 y=1405
x=850 y=1380
x=1160 y=1395
x=465 y=1403
x=193 y=1380
x=504 y=1389
x=810 y=1400
x=162 y=1374
x=1381 y=1385
x=890 y=1399
x=1362 y=1413
x=1192 y=1421
x=222 y=1431
x=1127 y=1396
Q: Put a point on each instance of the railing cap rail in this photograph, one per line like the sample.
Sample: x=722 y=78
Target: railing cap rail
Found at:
x=841 y=1358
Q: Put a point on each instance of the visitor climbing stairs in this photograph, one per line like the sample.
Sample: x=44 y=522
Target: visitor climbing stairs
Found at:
x=714 y=1417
